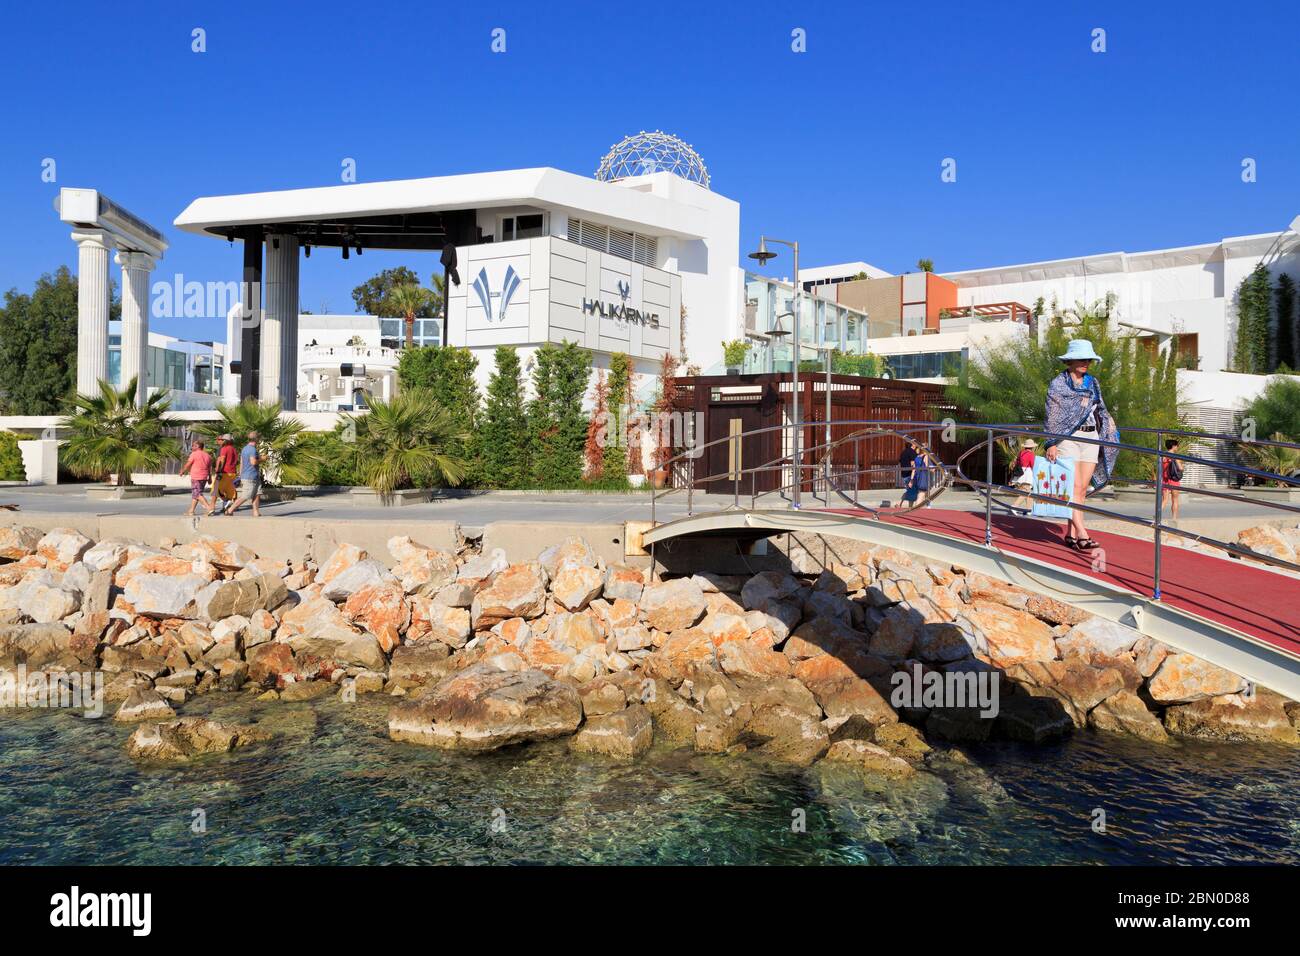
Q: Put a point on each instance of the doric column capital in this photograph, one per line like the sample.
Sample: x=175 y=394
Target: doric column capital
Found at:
x=94 y=237
x=136 y=260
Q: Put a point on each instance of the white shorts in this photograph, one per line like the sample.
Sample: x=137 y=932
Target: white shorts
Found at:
x=1025 y=479
x=1080 y=451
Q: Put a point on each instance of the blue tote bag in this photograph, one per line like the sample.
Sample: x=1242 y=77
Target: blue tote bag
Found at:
x=1056 y=480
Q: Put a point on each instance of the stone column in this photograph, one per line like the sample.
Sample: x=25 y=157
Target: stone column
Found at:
x=136 y=267
x=93 y=247
x=279 y=364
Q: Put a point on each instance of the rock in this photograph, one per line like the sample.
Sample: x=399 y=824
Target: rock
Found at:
x=306 y=690
x=483 y=709
x=163 y=564
x=353 y=578
x=1077 y=685
x=188 y=737
x=1182 y=678
x=576 y=631
x=240 y=596
x=316 y=618
x=1053 y=611
x=269 y=662
x=962 y=723
x=894 y=638
x=432 y=621
x=1269 y=541
x=1097 y=636
x=517 y=591
x=604 y=695
x=1148 y=655
x=679 y=655
x=212 y=550
x=382 y=609
x=674 y=717
x=853 y=697
x=723 y=628
x=624 y=735
x=632 y=638
x=744 y=660
x=420 y=664
x=165 y=595
x=870 y=758
x=457 y=594
x=229 y=630
x=1125 y=713
x=787 y=734
x=672 y=606
x=576 y=586
x=46 y=604
x=144 y=704
x=572 y=552
x=980 y=588
x=624 y=581
x=364 y=650
x=1261 y=718
x=420 y=569
x=97 y=593
x=61 y=547
x=1012 y=635
x=941 y=644
x=844 y=663
x=767 y=587
x=1033 y=719
x=105 y=556
x=344 y=557
x=261 y=628
x=478 y=572
x=900 y=739
x=19 y=542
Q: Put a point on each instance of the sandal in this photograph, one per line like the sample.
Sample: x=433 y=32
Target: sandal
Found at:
x=1086 y=544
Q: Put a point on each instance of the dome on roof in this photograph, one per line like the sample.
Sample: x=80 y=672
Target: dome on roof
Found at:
x=656 y=152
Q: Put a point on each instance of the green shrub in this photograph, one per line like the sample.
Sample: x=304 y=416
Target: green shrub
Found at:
x=11 y=460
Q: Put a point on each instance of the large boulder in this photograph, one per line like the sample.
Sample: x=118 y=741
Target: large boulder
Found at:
x=479 y=571
x=1097 y=636
x=224 y=554
x=46 y=602
x=1125 y=713
x=767 y=587
x=33 y=644
x=165 y=595
x=518 y=591
x=1011 y=635
x=240 y=596
x=382 y=609
x=572 y=552
x=18 y=542
x=1261 y=717
x=61 y=547
x=1183 y=678
x=624 y=735
x=419 y=568
x=344 y=557
x=420 y=663
x=898 y=632
x=679 y=655
x=434 y=621
x=673 y=605
x=576 y=586
x=316 y=618
x=482 y=708
x=1267 y=540
x=789 y=734
x=870 y=758
x=188 y=737
x=106 y=556
x=1076 y=684
x=354 y=577
x=747 y=660
x=144 y=704
x=941 y=643
x=624 y=581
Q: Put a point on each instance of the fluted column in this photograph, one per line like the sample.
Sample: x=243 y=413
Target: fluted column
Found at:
x=93 y=247
x=136 y=267
x=279 y=365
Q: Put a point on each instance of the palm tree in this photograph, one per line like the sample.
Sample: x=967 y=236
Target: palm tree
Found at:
x=1279 y=461
x=108 y=432
x=286 y=457
x=410 y=301
x=401 y=443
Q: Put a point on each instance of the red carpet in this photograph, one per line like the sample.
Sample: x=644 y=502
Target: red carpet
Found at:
x=1257 y=602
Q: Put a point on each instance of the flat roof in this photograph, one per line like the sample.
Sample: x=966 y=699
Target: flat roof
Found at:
x=393 y=201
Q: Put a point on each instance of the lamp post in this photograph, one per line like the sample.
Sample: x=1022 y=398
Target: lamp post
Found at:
x=762 y=256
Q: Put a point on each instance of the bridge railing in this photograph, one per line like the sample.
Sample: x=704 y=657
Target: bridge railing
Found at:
x=814 y=467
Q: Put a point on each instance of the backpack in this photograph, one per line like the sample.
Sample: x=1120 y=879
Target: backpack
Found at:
x=1173 y=470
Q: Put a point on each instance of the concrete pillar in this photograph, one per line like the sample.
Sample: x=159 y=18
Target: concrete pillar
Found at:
x=136 y=267
x=93 y=247
x=279 y=359
x=251 y=315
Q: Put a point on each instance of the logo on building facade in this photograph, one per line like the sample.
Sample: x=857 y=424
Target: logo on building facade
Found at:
x=622 y=311
x=509 y=285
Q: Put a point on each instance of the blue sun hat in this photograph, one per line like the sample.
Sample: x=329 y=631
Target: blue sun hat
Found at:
x=1079 y=349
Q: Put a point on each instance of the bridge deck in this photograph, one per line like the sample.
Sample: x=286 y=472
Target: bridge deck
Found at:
x=1253 y=600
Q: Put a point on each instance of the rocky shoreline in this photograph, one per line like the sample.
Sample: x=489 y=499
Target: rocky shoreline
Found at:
x=856 y=664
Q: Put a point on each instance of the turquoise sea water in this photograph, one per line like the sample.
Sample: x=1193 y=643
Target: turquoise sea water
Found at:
x=331 y=788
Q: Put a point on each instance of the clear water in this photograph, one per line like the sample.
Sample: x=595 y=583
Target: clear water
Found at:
x=331 y=788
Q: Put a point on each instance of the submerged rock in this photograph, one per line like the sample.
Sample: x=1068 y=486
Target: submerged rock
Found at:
x=188 y=737
x=1260 y=718
x=625 y=734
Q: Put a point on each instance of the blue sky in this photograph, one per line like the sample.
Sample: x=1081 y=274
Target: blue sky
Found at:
x=1060 y=151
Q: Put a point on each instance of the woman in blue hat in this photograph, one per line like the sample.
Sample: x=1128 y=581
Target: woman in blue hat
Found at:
x=1075 y=408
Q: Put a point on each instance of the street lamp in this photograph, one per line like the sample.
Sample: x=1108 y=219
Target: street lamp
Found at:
x=762 y=256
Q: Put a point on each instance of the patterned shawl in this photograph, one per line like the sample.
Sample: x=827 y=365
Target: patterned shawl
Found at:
x=1064 y=414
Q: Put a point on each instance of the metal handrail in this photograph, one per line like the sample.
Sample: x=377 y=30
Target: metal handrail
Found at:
x=955 y=474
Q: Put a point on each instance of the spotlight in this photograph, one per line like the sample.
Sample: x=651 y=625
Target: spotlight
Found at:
x=308 y=249
x=275 y=242
x=345 y=252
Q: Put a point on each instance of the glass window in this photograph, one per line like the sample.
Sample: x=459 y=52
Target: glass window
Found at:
x=391 y=328
x=115 y=367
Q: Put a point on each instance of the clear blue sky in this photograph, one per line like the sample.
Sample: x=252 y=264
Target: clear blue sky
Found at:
x=1060 y=151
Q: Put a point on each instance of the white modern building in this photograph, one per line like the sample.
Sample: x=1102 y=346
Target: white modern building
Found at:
x=641 y=259
x=192 y=372
x=345 y=360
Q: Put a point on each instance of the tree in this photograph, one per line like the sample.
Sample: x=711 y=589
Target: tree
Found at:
x=1288 y=323
x=663 y=408
x=867 y=364
x=593 y=452
x=557 y=426
x=11 y=459
x=407 y=442
x=1254 y=308
x=925 y=265
x=1007 y=382
x=447 y=373
x=286 y=457
x=372 y=297
x=38 y=345
x=503 y=428
x=407 y=301
x=620 y=400
x=108 y=432
x=1276 y=409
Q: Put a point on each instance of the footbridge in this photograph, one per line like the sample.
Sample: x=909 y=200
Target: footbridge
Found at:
x=1232 y=606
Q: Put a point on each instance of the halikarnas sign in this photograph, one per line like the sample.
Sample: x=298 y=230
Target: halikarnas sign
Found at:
x=620 y=310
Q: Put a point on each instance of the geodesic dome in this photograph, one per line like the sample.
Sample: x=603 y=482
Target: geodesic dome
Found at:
x=656 y=152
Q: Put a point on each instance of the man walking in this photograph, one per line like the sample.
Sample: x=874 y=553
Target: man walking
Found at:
x=198 y=466
x=223 y=481
x=250 y=477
